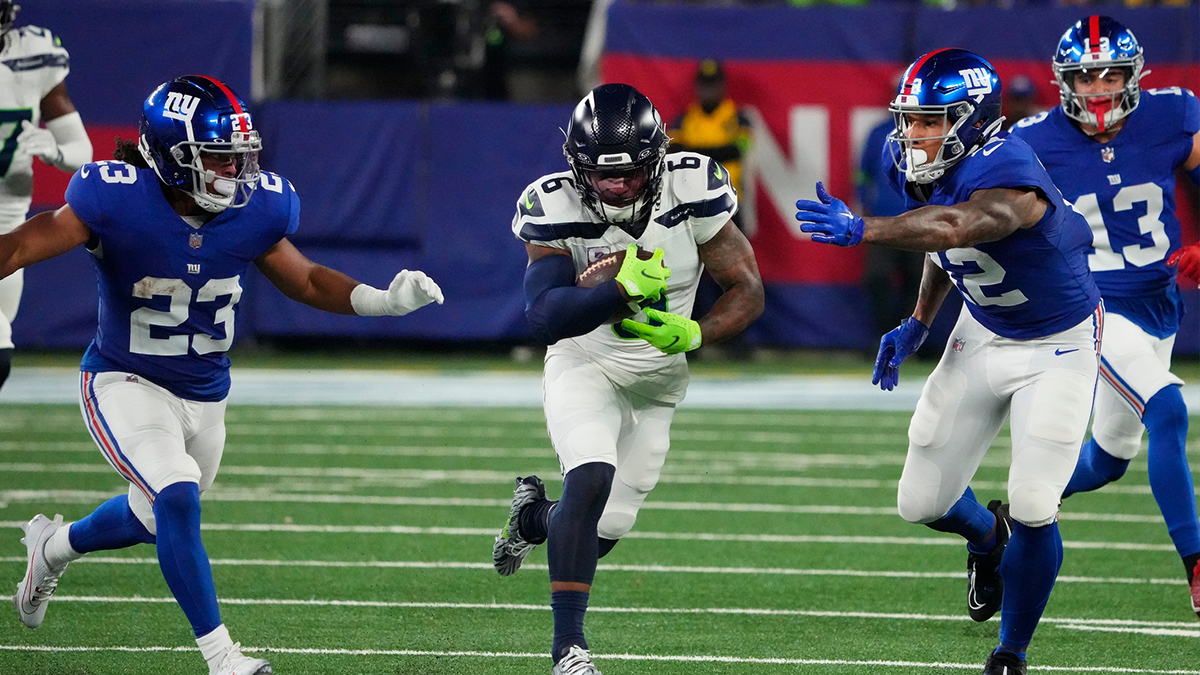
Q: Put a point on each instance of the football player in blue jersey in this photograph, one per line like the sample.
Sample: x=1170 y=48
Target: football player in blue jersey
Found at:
x=172 y=229
x=1113 y=149
x=1025 y=346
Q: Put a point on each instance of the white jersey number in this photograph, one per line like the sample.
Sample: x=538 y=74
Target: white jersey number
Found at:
x=117 y=172
x=990 y=274
x=142 y=319
x=1105 y=259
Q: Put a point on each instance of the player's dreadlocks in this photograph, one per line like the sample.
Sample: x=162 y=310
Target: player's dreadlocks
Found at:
x=127 y=151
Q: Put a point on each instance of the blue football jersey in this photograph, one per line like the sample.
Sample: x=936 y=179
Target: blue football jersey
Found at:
x=168 y=290
x=1126 y=190
x=1034 y=282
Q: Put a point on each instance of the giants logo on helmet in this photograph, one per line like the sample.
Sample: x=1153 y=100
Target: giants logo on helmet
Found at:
x=979 y=82
x=180 y=106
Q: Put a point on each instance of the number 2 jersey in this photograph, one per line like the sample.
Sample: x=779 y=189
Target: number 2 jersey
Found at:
x=169 y=290
x=1032 y=283
x=32 y=62
x=695 y=202
x=1126 y=189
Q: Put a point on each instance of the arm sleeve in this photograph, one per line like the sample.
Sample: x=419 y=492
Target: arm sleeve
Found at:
x=74 y=146
x=558 y=309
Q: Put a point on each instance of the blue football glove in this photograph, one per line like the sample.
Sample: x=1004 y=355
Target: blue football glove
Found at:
x=897 y=345
x=829 y=221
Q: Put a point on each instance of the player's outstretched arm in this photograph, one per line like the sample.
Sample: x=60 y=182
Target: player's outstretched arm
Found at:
x=987 y=216
x=64 y=142
x=40 y=238
x=729 y=258
x=327 y=289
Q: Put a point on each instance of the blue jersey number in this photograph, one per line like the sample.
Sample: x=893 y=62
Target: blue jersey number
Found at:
x=143 y=319
x=10 y=128
x=1105 y=259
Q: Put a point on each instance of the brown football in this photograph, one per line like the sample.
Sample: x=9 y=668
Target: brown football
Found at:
x=604 y=270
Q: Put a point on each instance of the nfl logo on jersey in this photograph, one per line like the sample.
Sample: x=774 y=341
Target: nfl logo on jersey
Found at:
x=1108 y=154
x=195 y=240
x=959 y=343
x=595 y=253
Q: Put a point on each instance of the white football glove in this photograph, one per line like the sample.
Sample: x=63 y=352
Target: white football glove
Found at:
x=34 y=141
x=409 y=291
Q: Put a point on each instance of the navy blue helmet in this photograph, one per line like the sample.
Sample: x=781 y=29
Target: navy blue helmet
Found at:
x=615 y=146
x=1098 y=44
x=193 y=118
x=960 y=87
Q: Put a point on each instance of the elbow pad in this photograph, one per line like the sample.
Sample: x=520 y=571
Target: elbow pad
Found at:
x=72 y=139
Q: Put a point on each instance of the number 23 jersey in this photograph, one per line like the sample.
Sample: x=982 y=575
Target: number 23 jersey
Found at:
x=168 y=290
x=1126 y=190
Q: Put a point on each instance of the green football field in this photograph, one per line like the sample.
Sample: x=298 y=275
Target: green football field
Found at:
x=350 y=540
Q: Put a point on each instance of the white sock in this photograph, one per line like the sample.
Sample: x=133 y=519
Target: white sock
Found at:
x=214 y=645
x=58 y=548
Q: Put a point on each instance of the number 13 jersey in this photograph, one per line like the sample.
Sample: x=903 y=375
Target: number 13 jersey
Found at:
x=1126 y=190
x=169 y=290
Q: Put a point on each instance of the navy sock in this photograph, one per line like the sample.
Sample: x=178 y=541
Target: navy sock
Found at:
x=111 y=526
x=971 y=520
x=1030 y=567
x=573 y=543
x=1096 y=468
x=182 y=557
x=534 y=522
x=1166 y=420
x=5 y=365
x=569 y=608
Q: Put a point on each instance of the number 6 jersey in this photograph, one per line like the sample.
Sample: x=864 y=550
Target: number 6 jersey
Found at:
x=1126 y=190
x=168 y=289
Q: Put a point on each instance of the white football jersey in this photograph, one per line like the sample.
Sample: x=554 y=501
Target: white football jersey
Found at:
x=32 y=62
x=695 y=202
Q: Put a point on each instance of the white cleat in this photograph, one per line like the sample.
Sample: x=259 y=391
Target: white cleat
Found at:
x=578 y=661
x=40 y=581
x=236 y=663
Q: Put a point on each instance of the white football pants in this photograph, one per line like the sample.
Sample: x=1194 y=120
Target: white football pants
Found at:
x=152 y=437
x=591 y=419
x=1046 y=384
x=1134 y=366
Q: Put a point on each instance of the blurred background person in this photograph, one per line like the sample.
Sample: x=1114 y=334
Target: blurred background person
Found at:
x=1020 y=100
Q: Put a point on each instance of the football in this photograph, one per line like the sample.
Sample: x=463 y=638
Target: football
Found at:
x=604 y=270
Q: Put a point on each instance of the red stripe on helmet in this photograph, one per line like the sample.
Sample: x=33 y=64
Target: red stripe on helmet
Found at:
x=237 y=107
x=912 y=72
x=1094 y=33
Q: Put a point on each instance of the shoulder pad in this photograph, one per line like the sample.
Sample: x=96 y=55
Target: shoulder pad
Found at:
x=691 y=177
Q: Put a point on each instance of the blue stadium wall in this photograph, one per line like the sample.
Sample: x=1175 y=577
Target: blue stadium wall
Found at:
x=433 y=186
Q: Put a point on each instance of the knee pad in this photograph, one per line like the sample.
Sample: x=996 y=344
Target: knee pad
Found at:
x=620 y=513
x=1034 y=504
x=917 y=497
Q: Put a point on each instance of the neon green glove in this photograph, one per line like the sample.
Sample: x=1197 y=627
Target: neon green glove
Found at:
x=674 y=335
x=643 y=279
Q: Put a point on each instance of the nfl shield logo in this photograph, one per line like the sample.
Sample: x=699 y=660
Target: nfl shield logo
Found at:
x=1107 y=154
x=595 y=253
x=195 y=239
x=958 y=344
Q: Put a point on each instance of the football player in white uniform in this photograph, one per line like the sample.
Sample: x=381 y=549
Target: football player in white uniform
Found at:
x=611 y=388
x=33 y=67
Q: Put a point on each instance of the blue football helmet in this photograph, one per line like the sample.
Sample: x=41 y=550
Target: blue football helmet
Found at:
x=960 y=87
x=8 y=15
x=194 y=118
x=1098 y=44
x=615 y=132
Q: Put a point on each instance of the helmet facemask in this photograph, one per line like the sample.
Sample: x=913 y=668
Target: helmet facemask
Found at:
x=957 y=120
x=1100 y=110
x=212 y=191
x=619 y=191
x=8 y=15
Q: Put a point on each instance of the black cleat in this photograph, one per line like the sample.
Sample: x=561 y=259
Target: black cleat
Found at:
x=1004 y=662
x=985 y=586
x=510 y=548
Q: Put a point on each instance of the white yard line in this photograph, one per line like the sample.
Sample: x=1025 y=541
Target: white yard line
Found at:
x=682 y=658
x=661 y=569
